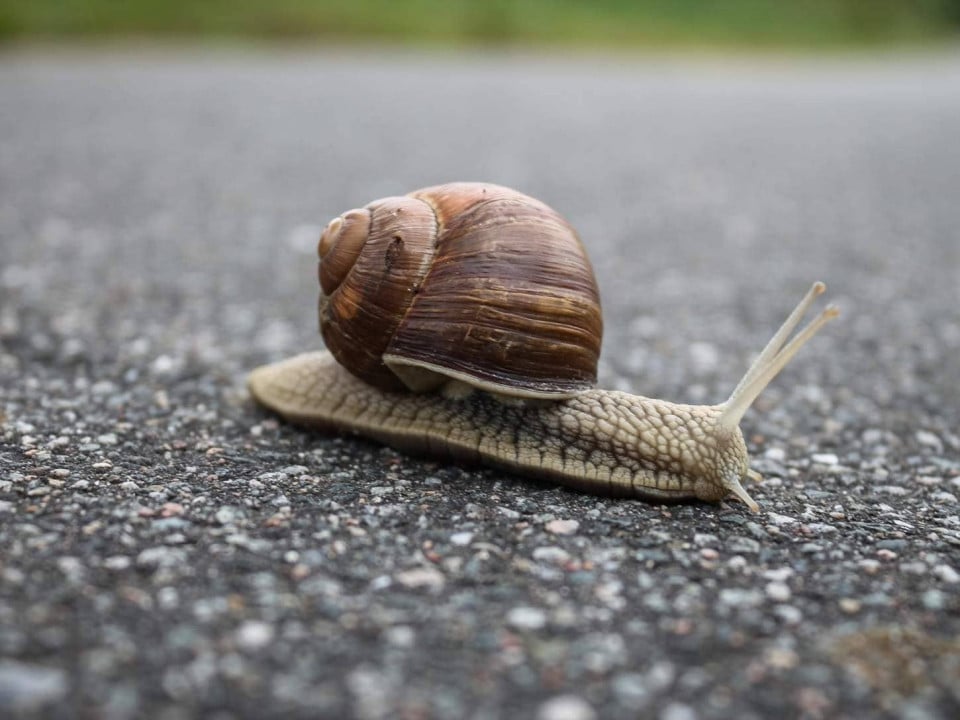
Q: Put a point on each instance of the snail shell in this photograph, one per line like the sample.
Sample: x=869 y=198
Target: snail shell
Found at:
x=467 y=282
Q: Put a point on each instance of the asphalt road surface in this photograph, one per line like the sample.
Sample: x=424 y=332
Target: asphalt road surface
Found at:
x=169 y=550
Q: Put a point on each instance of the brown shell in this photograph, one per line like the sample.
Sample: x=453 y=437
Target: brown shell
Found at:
x=468 y=281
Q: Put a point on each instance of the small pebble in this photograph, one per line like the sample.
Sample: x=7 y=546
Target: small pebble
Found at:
x=740 y=597
x=947 y=574
x=678 y=711
x=526 y=618
x=929 y=439
x=254 y=634
x=705 y=540
x=421 y=577
x=778 y=574
x=780 y=520
x=850 y=605
x=566 y=707
x=742 y=545
x=562 y=527
x=776 y=454
x=788 y=614
x=163 y=365
x=461 y=538
x=551 y=554
x=117 y=562
x=25 y=687
x=400 y=636
x=631 y=690
x=934 y=600
x=778 y=591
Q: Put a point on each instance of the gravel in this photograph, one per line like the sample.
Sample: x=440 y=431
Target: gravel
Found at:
x=171 y=551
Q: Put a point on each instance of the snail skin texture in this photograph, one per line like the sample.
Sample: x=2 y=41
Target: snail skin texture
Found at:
x=528 y=408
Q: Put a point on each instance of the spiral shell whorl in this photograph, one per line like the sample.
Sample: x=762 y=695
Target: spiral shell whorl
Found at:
x=340 y=245
x=367 y=293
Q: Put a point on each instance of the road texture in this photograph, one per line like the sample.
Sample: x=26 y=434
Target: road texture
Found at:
x=168 y=550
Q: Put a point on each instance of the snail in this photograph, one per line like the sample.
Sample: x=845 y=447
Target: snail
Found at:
x=463 y=321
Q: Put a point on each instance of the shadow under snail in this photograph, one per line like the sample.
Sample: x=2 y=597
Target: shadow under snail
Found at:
x=463 y=321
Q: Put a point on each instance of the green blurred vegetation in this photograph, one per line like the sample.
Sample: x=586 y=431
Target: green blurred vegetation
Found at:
x=594 y=23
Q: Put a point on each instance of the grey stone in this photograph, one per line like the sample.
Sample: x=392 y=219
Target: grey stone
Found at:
x=27 y=687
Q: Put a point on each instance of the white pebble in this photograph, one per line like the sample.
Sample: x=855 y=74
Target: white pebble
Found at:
x=850 y=605
x=103 y=387
x=776 y=454
x=117 y=562
x=526 y=618
x=778 y=591
x=947 y=574
x=788 y=614
x=678 y=711
x=551 y=554
x=930 y=440
x=162 y=365
x=705 y=540
x=778 y=574
x=461 y=538
x=890 y=490
x=780 y=520
x=71 y=567
x=740 y=598
x=660 y=676
x=562 y=527
x=28 y=687
x=401 y=636
x=825 y=458
x=566 y=707
x=421 y=577
x=382 y=582
x=254 y=634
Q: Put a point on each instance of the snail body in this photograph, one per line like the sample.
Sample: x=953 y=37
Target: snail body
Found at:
x=483 y=288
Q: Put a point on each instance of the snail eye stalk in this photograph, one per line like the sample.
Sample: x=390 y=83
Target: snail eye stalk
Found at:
x=775 y=356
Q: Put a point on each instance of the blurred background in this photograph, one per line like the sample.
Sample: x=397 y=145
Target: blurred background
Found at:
x=159 y=214
x=593 y=23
